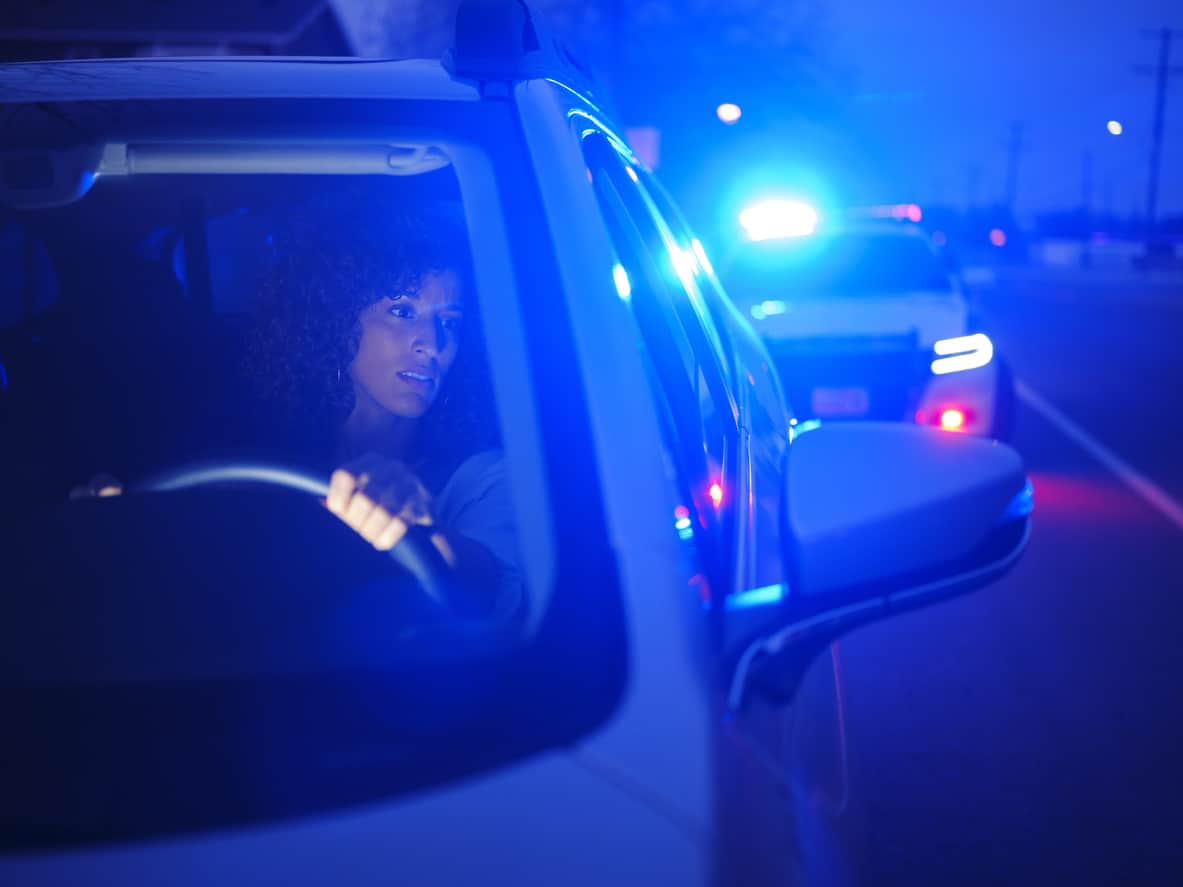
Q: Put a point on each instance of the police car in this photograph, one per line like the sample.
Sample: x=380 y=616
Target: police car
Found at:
x=209 y=679
x=865 y=320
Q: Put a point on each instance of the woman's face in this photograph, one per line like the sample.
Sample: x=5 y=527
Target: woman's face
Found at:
x=408 y=343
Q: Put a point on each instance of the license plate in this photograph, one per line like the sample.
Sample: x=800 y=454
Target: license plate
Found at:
x=839 y=402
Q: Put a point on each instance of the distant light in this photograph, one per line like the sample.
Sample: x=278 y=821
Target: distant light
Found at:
x=962 y=353
x=1114 y=127
x=623 y=288
x=716 y=493
x=952 y=420
x=899 y=211
x=939 y=238
x=768 y=308
x=998 y=237
x=728 y=112
x=776 y=219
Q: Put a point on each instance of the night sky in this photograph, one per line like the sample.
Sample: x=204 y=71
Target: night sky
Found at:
x=938 y=86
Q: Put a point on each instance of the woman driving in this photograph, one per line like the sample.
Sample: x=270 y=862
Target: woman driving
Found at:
x=368 y=356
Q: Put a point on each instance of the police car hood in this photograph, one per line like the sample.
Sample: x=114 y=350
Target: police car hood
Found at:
x=930 y=315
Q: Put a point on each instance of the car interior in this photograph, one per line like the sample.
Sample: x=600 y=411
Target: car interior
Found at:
x=126 y=320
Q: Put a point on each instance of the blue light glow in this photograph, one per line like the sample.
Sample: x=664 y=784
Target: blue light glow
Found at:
x=962 y=353
x=766 y=596
x=777 y=219
x=623 y=288
x=701 y=255
x=796 y=429
x=1021 y=506
x=768 y=308
x=684 y=263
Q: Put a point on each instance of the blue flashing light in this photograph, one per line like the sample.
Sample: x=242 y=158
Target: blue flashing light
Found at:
x=623 y=288
x=778 y=219
x=1022 y=505
x=799 y=428
x=768 y=595
x=962 y=353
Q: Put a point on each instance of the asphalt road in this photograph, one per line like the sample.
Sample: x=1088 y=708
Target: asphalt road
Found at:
x=1032 y=732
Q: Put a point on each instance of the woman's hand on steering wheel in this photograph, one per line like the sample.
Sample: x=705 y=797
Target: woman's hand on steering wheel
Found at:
x=380 y=499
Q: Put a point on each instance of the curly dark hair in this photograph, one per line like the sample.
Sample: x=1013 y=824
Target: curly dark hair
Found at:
x=326 y=271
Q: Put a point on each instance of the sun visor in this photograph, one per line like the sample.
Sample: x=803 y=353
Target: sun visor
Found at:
x=48 y=178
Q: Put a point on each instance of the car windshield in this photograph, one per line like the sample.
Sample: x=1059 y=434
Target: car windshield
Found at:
x=207 y=314
x=849 y=264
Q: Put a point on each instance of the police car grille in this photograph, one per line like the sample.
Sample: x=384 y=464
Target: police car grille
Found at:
x=890 y=369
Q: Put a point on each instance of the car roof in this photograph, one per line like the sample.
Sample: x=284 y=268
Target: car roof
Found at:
x=229 y=78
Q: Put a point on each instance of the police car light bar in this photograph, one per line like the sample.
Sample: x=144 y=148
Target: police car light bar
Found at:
x=777 y=219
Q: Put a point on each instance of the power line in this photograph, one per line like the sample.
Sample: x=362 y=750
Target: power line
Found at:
x=1160 y=72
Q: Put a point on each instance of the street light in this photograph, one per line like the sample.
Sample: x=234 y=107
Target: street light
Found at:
x=1114 y=127
x=729 y=113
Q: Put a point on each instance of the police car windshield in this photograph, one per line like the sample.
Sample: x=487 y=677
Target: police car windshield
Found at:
x=848 y=264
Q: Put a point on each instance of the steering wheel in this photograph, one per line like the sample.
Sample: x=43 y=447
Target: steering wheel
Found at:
x=414 y=552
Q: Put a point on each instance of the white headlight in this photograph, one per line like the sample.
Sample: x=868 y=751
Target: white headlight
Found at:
x=962 y=353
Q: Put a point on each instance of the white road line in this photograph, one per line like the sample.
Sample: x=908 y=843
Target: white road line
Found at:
x=1143 y=486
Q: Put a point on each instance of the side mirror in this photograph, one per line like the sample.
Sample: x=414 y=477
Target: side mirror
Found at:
x=882 y=517
x=879 y=509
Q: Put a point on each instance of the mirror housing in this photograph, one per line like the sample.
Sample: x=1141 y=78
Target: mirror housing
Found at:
x=882 y=517
x=872 y=505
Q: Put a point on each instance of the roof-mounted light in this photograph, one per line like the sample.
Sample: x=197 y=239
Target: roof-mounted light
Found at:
x=778 y=219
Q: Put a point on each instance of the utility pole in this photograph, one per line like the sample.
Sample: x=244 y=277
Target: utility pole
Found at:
x=1014 y=150
x=1160 y=73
